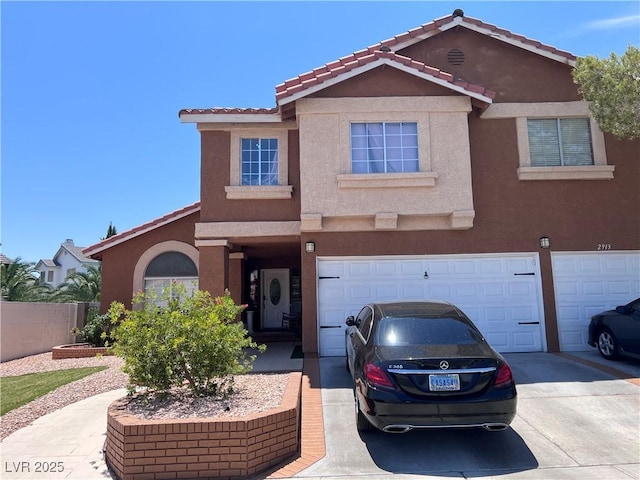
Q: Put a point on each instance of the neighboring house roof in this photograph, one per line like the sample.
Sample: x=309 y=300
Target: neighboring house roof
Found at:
x=71 y=248
x=144 y=228
x=47 y=263
x=74 y=250
x=5 y=260
x=383 y=53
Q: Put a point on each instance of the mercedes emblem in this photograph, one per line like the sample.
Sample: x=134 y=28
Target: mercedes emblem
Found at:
x=444 y=365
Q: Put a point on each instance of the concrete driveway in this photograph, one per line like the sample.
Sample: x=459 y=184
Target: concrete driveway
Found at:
x=574 y=422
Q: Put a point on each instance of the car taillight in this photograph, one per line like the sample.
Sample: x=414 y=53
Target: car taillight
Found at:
x=504 y=378
x=377 y=377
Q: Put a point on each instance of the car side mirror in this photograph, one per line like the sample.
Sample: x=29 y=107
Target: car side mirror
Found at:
x=623 y=310
x=351 y=321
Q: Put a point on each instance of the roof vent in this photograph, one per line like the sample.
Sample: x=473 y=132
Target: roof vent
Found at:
x=455 y=57
x=458 y=13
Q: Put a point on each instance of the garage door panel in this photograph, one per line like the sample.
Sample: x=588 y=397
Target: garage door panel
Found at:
x=330 y=269
x=439 y=292
x=333 y=318
x=412 y=292
x=523 y=340
x=359 y=292
x=495 y=315
x=493 y=290
x=411 y=268
x=587 y=283
x=332 y=342
x=499 y=341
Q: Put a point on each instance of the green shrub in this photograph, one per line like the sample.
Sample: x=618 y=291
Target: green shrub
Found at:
x=181 y=338
x=97 y=329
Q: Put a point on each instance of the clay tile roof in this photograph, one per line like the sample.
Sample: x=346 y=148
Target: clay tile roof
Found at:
x=366 y=57
x=139 y=230
x=226 y=111
x=325 y=73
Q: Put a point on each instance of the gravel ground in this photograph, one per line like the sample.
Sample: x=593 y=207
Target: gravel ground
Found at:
x=252 y=393
x=105 y=381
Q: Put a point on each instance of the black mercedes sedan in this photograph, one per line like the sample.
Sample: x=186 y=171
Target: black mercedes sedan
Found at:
x=425 y=365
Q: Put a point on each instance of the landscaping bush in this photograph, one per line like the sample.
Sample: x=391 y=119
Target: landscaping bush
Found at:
x=193 y=338
x=97 y=329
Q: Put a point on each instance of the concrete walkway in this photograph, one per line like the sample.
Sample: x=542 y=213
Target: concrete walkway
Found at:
x=64 y=444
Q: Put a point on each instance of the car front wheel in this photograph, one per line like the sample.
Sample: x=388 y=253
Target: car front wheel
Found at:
x=607 y=345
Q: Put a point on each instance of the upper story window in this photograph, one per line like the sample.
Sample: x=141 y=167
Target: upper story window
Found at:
x=259 y=158
x=259 y=164
x=555 y=142
x=384 y=147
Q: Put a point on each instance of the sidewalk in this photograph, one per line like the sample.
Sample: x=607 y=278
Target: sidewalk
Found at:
x=64 y=444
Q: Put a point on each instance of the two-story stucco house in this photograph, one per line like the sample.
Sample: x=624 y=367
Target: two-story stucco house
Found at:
x=456 y=161
x=68 y=259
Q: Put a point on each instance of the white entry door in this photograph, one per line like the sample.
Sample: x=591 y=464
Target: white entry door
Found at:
x=275 y=296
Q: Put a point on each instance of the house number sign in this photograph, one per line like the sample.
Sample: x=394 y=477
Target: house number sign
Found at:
x=603 y=246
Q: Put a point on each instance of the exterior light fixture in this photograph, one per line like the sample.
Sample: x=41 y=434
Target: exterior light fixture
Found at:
x=545 y=242
x=310 y=247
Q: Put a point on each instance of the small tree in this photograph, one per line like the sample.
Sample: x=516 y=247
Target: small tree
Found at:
x=181 y=338
x=111 y=231
x=612 y=88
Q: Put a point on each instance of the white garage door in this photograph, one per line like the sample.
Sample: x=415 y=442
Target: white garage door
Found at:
x=500 y=293
x=589 y=283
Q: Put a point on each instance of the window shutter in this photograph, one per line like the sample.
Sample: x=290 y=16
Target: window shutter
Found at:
x=576 y=141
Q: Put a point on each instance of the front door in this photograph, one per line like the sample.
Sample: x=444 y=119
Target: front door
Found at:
x=275 y=296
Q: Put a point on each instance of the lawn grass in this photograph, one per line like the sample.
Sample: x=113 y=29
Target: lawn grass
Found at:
x=20 y=390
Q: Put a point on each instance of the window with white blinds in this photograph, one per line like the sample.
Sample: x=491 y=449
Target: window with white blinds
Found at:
x=557 y=142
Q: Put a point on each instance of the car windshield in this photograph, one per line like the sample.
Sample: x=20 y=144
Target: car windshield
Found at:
x=401 y=331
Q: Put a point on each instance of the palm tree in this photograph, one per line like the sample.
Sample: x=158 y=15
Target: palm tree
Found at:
x=81 y=287
x=20 y=282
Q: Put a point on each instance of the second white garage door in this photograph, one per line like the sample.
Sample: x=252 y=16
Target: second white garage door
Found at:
x=587 y=283
x=500 y=293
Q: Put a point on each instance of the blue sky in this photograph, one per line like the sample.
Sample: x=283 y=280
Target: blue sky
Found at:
x=90 y=91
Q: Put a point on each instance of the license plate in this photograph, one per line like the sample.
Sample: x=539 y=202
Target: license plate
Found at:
x=444 y=383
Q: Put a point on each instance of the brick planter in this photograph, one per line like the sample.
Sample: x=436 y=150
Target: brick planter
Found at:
x=229 y=448
x=77 y=350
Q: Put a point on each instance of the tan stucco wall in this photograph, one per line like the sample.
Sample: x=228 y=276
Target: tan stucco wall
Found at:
x=330 y=191
x=32 y=328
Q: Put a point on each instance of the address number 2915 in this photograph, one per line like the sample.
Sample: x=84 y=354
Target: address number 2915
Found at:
x=604 y=246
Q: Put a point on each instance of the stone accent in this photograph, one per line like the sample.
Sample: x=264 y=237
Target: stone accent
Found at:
x=230 y=448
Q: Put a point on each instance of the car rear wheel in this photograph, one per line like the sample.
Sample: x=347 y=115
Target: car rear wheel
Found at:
x=362 y=424
x=607 y=344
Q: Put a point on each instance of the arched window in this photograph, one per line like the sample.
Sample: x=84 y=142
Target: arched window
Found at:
x=170 y=268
